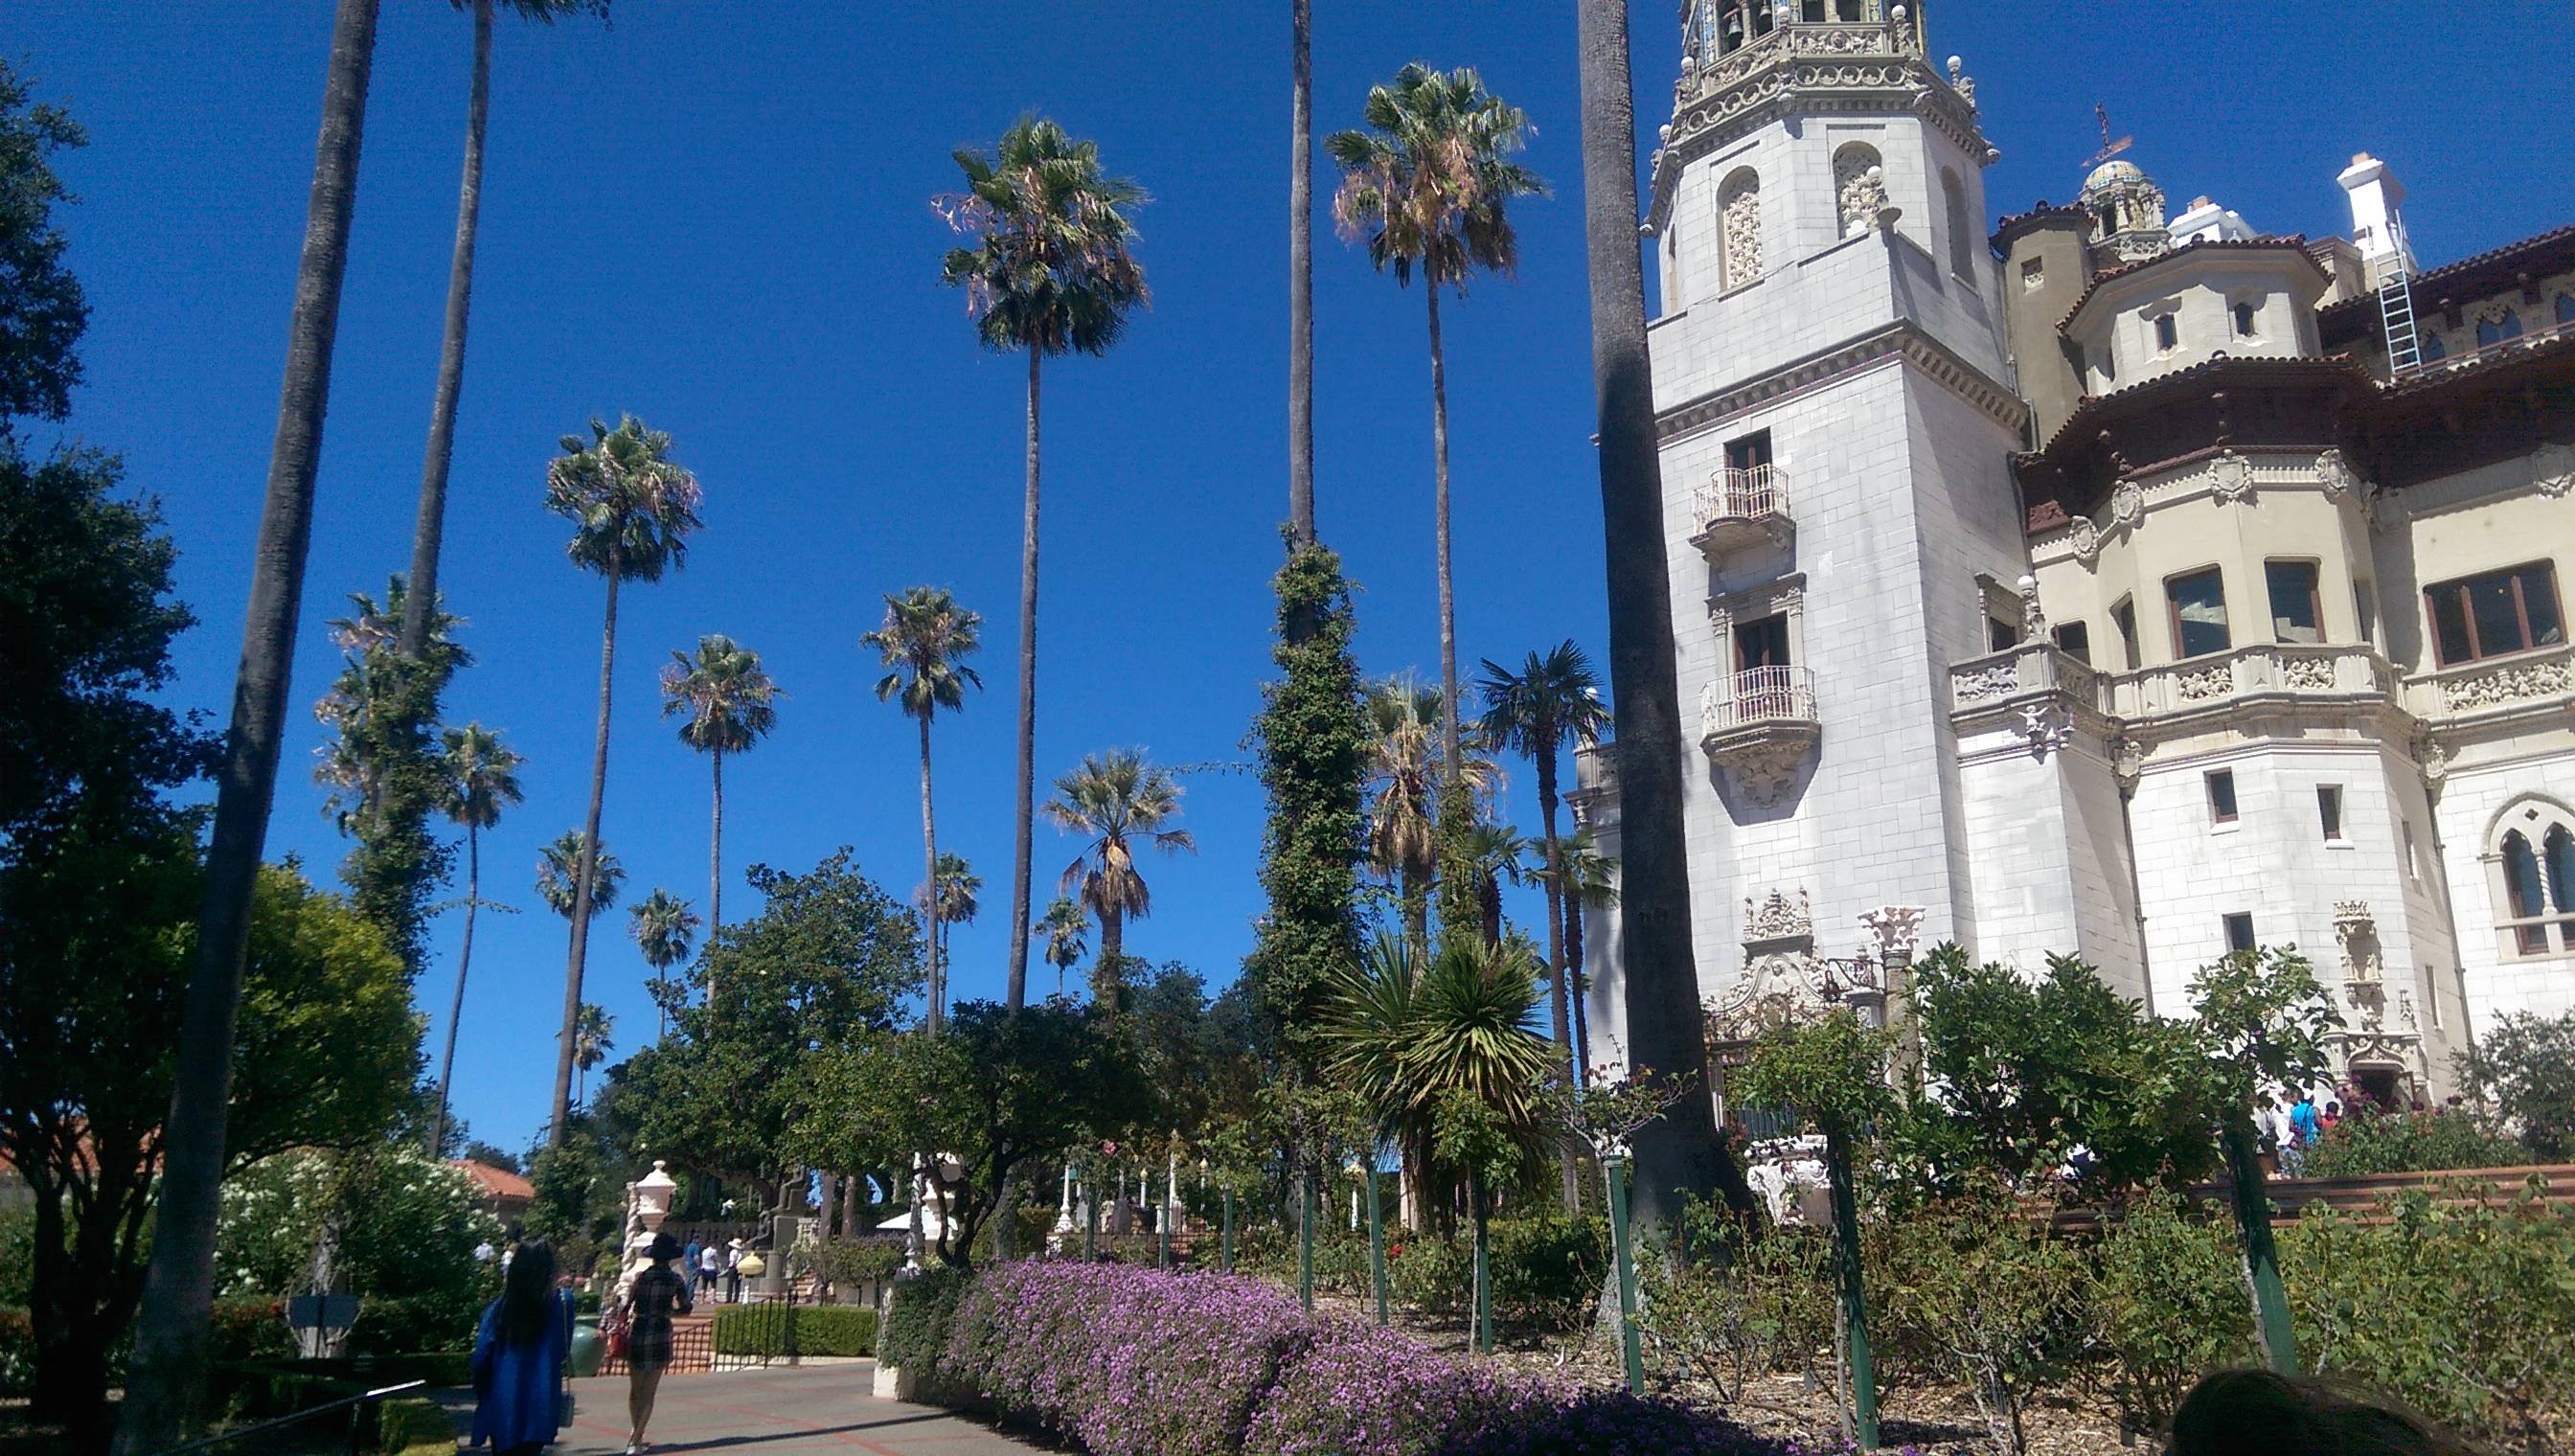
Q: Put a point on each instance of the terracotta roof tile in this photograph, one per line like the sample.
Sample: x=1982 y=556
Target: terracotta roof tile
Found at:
x=495 y=1183
x=2556 y=241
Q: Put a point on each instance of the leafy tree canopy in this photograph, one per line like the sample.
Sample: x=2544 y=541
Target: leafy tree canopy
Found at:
x=42 y=312
x=2526 y=1065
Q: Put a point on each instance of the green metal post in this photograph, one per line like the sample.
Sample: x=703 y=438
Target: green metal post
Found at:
x=1163 y=1220
x=1377 y=1245
x=1484 y=1268
x=1621 y=1248
x=1863 y=1375
x=1229 y=1231
x=1306 y=1243
x=2261 y=1257
x=1089 y=1221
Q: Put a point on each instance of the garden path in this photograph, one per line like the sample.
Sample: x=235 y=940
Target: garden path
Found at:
x=775 y=1412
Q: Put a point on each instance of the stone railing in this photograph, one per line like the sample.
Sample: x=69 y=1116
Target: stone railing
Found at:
x=2033 y=666
x=2496 y=684
x=2294 y=668
x=1739 y=503
x=1756 y=696
x=1799 y=39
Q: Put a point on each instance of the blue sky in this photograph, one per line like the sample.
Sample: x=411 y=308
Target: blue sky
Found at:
x=716 y=216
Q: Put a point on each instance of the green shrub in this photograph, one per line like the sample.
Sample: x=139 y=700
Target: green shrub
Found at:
x=1548 y=1271
x=1743 y=1307
x=850 y=1264
x=1429 y=1274
x=17 y=1353
x=1970 y=1289
x=2166 y=1298
x=917 y=1318
x=820 y=1329
x=2460 y=1311
x=2371 y=1142
x=17 y=1256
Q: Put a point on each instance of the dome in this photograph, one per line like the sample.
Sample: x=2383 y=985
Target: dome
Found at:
x=2111 y=172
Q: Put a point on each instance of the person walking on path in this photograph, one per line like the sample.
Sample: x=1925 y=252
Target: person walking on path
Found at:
x=689 y=1262
x=707 y=1261
x=656 y=1294
x=2305 y=1129
x=732 y=1273
x=519 y=1354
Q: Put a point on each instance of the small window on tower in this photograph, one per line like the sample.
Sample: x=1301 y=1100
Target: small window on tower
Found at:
x=2221 y=796
x=2364 y=610
x=2297 y=614
x=2167 y=333
x=1762 y=643
x=2432 y=347
x=2033 y=274
x=2123 y=615
x=2198 y=601
x=2496 y=330
x=2243 y=319
x=2329 y=810
x=2075 y=641
x=2239 y=931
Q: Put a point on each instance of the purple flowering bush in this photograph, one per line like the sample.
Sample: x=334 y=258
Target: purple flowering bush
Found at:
x=1124 y=1361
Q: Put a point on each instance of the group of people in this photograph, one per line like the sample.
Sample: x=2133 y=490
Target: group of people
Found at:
x=708 y=1266
x=522 y=1399
x=2293 y=1120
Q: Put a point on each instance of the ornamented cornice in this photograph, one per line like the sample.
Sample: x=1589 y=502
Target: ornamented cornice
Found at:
x=1901 y=340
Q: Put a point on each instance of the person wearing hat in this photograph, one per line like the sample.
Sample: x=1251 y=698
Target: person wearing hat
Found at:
x=733 y=1272
x=654 y=1295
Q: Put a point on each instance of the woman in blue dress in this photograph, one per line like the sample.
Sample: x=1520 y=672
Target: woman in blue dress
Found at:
x=519 y=1356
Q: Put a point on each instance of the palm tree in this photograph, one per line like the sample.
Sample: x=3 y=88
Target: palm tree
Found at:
x=1051 y=273
x=165 y=1381
x=591 y=1044
x=926 y=639
x=1585 y=878
x=1120 y=801
x=959 y=897
x=632 y=508
x=565 y=858
x=1063 y=926
x=664 y=927
x=1678 y=1154
x=460 y=292
x=1427 y=186
x=726 y=697
x=1496 y=851
x=1405 y=779
x=481 y=775
x=1300 y=279
x=1533 y=712
x=352 y=763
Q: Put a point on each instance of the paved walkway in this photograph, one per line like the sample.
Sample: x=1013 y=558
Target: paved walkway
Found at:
x=779 y=1412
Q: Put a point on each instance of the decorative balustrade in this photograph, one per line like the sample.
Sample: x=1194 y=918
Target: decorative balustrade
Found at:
x=2271 y=669
x=2033 y=666
x=1755 y=698
x=2529 y=679
x=1737 y=504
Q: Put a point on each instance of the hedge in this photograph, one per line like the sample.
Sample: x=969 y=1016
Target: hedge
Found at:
x=1125 y=1362
x=821 y=1329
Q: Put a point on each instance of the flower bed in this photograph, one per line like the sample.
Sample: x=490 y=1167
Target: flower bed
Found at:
x=1135 y=1362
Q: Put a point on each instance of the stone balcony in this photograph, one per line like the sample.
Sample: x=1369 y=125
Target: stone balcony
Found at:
x=1758 y=725
x=1739 y=506
x=1595 y=795
x=2537 y=683
x=2277 y=674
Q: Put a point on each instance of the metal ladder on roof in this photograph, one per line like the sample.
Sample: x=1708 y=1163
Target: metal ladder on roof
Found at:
x=2396 y=305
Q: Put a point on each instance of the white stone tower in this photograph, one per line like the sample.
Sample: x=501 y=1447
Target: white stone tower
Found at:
x=1834 y=413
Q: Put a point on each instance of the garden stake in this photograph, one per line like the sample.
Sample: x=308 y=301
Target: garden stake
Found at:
x=1305 y=1243
x=1090 y=1223
x=1377 y=1245
x=1631 y=1344
x=2261 y=1257
x=1229 y=1231
x=1838 y=1167
x=1162 y=1221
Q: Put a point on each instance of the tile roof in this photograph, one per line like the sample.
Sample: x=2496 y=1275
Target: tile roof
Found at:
x=495 y=1183
x=2483 y=272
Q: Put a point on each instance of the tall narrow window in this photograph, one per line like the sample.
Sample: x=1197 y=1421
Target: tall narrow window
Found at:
x=2221 y=796
x=1748 y=452
x=2534 y=865
x=2243 y=319
x=2413 y=860
x=1762 y=643
x=2492 y=330
x=2075 y=641
x=2167 y=333
x=2239 y=931
x=2364 y=610
x=1857 y=196
x=2511 y=611
x=2431 y=346
x=1962 y=240
x=2198 y=601
x=2329 y=810
x=1740 y=211
x=2523 y=894
x=2123 y=615
x=2001 y=632
x=2297 y=614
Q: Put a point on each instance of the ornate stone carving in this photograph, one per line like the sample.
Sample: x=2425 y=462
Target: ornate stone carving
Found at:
x=2387 y=509
x=2434 y=756
x=1742 y=222
x=2047 y=727
x=2315 y=673
x=2552 y=469
x=2334 y=473
x=1764 y=769
x=2231 y=477
x=2127 y=762
x=2127 y=502
x=1897 y=928
x=2205 y=684
x=2085 y=537
x=2508 y=684
x=1778 y=919
x=1999 y=681
x=2033 y=621
x=1860 y=183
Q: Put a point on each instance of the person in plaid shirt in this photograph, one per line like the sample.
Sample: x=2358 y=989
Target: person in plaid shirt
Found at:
x=656 y=1294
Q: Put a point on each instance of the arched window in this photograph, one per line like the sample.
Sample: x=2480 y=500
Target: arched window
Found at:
x=1858 y=197
x=1740 y=211
x=1962 y=245
x=2433 y=350
x=2566 y=308
x=2494 y=329
x=2534 y=878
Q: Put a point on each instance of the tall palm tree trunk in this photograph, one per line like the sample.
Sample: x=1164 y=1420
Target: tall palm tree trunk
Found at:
x=1568 y=1166
x=456 y=1003
x=167 y=1377
x=1678 y=1153
x=1573 y=975
x=1300 y=284
x=715 y=853
x=1439 y=507
x=426 y=534
x=1017 y=991
x=1414 y=890
x=555 y=1118
x=930 y=882
x=1111 y=968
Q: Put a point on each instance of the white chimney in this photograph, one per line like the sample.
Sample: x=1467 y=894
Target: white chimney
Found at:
x=2204 y=221
x=2376 y=230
